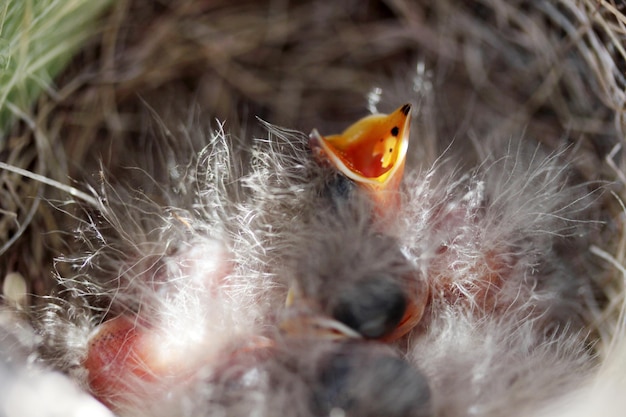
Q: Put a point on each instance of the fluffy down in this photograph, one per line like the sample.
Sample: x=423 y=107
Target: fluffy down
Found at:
x=258 y=281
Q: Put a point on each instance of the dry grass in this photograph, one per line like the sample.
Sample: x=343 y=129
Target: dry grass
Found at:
x=37 y=40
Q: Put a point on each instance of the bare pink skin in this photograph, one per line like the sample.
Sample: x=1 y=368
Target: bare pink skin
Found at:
x=117 y=355
x=122 y=357
x=156 y=352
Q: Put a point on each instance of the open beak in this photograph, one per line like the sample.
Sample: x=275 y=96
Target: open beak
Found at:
x=371 y=152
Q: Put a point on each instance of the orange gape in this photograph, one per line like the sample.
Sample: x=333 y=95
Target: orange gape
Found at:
x=370 y=152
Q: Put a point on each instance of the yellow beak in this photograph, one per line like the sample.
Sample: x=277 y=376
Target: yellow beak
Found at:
x=371 y=152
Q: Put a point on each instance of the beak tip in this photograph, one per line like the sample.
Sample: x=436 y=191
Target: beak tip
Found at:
x=315 y=136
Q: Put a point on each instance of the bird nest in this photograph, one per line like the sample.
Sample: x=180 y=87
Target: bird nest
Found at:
x=152 y=80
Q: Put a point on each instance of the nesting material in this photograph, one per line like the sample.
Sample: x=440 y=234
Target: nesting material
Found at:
x=210 y=263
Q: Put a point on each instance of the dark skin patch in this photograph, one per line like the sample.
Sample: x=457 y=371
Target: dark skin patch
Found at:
x=370 y=384
x=395 y=131
x=390 y=150
x=339 y=188
x=406 y=109
x=373 y=307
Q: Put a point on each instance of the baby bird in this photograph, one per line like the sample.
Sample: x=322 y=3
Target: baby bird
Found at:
x=322 y=276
